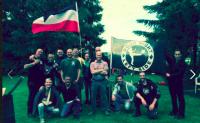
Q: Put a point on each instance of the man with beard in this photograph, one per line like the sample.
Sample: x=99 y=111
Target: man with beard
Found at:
x=122 y=94
x=147 y=94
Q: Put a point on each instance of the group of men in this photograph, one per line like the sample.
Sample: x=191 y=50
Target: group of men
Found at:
x=65 y=75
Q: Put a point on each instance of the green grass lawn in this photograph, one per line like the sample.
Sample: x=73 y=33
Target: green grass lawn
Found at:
x=192 y=107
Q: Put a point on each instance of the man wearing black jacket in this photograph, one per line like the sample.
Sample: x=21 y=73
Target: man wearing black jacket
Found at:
x=147 y=94
x=72 y=102
x=36 y=77
x=175 y=82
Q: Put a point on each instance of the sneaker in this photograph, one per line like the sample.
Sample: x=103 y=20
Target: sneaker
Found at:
x=42 y=120
x=106 y=113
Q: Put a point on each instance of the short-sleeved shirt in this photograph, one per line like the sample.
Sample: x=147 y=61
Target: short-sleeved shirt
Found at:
x=70 y=67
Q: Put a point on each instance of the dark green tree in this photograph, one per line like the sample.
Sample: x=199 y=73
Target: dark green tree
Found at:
x=19 y=42
x=177 y=24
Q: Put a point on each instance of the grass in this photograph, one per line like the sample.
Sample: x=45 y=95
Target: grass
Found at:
x=192 y=107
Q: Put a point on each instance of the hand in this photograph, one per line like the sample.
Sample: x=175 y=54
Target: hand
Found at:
x=151 y=107
x=113 y=98
x=143 y=102
x=77 y=99
x=75 y=81
x=168 y=75
x=32 y=57
x=36 y=61
x=103 y=72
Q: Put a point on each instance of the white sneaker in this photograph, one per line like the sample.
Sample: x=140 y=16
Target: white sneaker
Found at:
x=42 y=120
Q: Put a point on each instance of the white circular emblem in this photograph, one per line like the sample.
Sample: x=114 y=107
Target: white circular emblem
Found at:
x=137 y=55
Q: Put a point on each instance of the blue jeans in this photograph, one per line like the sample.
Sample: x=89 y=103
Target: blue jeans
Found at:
x=43 y=108
x=71 y=106
x=119 y=102
x=99 y=87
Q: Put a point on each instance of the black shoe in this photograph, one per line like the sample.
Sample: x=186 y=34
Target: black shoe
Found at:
x=136 y=115
x=106 y=113
x=30 y=115
x=179 y=117
x=76 y=117
x=91 y=113
x=86 y=102
x=172 y=114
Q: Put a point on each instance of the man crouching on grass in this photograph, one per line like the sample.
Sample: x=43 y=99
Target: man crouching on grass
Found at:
x=46 y=101
x=147 y=95
x=72 y=102
x=122 y=94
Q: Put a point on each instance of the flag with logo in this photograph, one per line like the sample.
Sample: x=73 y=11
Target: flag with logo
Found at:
x=137 y=55
x=65 y=20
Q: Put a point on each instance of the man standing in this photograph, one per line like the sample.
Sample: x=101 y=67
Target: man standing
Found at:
x=175 y=83
x=59 y=57
x=123 y=94
x=79 y=85
x=36 y=77
x=147 y=94
x=87 y=78
x=99 y=70
x=70 y=67
x=50 y=67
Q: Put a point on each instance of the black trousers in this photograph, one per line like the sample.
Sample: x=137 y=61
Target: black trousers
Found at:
x=177 y=96
x=32 y=93
x=88 y=90
x=151 y=114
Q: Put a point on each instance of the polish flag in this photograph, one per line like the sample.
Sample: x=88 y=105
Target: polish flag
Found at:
x=64 y=21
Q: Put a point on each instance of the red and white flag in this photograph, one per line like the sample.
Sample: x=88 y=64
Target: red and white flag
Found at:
x=64 y=21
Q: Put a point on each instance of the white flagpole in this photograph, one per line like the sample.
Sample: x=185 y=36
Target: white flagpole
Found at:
x=79 y=29
x=111 y=56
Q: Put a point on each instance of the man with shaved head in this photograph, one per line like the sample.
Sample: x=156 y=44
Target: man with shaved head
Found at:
x=36 y=77
x=70 y=67
x=99 y=70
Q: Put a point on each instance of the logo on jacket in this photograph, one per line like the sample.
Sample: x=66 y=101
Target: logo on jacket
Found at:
x=137 y=55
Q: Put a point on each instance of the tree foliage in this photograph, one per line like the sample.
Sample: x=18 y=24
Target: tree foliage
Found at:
x=18 y=15
x=176 y=25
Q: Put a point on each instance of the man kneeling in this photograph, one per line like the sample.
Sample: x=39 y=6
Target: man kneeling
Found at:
x=122 y=94
x=46 y=100
x=72 y=102
x=147 y=95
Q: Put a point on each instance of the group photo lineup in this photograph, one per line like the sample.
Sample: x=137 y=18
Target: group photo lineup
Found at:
x=100 y=61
